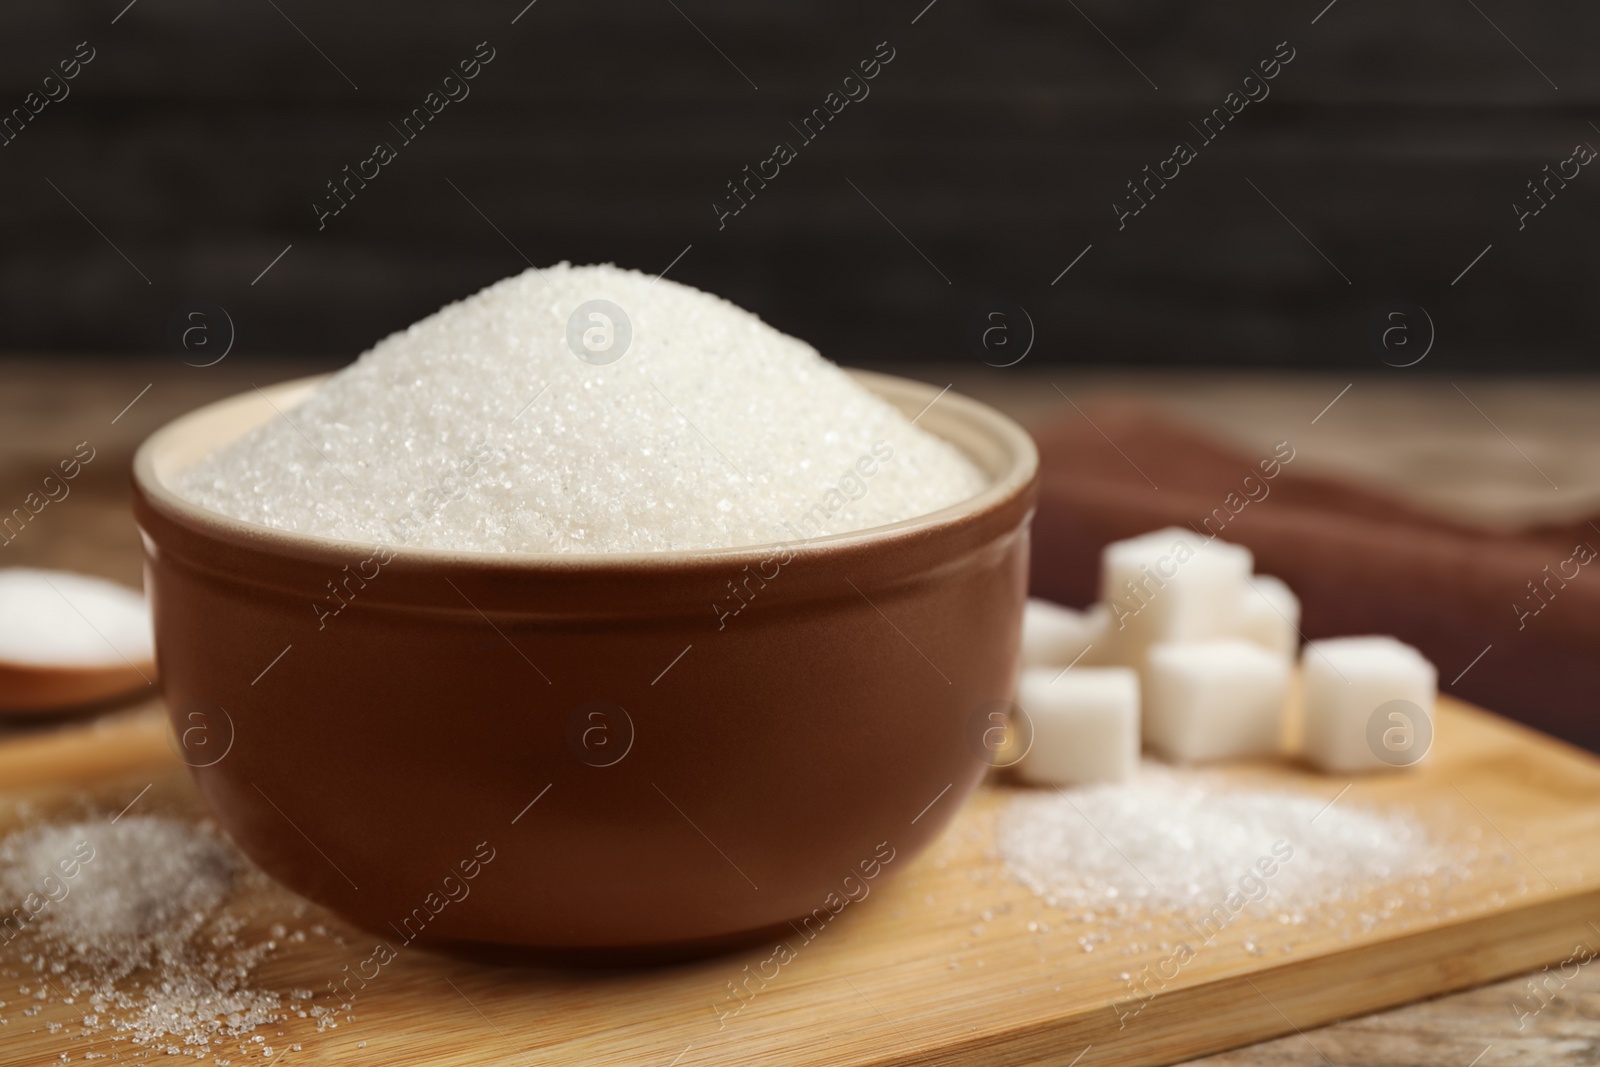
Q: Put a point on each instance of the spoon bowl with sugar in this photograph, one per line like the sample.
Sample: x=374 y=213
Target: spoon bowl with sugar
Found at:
x=69 y=640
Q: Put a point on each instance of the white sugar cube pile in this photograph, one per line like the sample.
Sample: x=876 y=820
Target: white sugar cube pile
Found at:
x=1191 y=651
x=1211 y=700
x=1369 y=703
x=1085 y=725
x=1054 y=636
x=1269 y=615
x=1171 y=585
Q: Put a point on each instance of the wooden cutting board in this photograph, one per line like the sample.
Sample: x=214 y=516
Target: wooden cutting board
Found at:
x=936 y=965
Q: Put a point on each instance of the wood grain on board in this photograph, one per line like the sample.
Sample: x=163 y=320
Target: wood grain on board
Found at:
x=937 y=964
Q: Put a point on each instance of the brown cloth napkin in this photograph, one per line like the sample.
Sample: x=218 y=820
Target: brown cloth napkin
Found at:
x=1360 y=561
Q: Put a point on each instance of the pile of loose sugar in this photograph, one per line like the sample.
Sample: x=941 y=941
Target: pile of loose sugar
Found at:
x=125 y=920
x=58 y=618
x=1187 y=844
x=492 y=425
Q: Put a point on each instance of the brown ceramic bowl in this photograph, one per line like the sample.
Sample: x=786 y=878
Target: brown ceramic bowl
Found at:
x=575 y=753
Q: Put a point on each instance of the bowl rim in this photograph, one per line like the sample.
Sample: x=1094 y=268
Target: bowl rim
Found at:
x=1004 y=487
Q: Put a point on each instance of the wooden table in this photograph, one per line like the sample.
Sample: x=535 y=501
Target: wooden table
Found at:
x=1420 y=437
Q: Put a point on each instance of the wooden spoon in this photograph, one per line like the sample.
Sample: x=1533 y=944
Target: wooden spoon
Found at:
x=56 y=640
x=44 y=688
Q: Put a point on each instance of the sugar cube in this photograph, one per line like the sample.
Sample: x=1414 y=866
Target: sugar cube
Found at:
x=1269 y=615
x=1054 y=636
x=1210 y=700
x=1170 y=585
x=1085 y=725
x=1368 y=703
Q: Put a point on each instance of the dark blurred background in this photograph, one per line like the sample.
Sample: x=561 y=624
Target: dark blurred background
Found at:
x=996 y=142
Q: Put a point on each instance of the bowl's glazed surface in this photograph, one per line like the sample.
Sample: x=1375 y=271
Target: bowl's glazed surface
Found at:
x=586 y=755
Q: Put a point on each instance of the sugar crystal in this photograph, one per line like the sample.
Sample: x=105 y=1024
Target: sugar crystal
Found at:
x=57 y=618
x=481 y=427
x=128 y=915
x=1178 y=842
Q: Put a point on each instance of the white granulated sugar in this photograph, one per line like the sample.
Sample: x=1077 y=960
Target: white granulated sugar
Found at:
x=137 y=880
x=1178 y=843
x=57 y=618
x=479 y=428
x=125 y=921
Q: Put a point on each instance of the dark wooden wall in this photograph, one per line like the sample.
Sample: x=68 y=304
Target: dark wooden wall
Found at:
x=996 y=141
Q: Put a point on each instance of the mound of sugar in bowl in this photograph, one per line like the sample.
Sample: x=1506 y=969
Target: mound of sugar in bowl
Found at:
x=585 y=409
